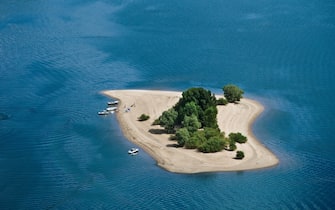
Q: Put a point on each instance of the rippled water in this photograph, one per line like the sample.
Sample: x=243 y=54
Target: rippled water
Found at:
x=55 y=57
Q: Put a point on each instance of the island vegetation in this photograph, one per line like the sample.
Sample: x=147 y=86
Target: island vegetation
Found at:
x=234 y=117
x=192 y=121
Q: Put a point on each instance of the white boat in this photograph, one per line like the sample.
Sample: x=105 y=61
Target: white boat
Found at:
x=113 y=102
x=110 y=109
x=133 y=151
x=104 y=112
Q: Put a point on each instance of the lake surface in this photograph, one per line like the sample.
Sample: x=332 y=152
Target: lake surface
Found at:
x=55 y=57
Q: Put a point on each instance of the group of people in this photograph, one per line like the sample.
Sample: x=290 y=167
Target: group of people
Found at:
x=127 y=109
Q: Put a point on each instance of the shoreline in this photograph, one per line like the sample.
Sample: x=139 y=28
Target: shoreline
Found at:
x=231 y=118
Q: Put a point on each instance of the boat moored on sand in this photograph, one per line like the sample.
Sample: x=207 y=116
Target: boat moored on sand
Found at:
x=113 y=102
x=111 y=109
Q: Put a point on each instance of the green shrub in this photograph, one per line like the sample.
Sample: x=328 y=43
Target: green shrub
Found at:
x=200 y=137
x=239 y=155
x=143 y=117
x=157 y=122
x=231 y=146
x=214 y=144
x=211 y=132
x=238 y=137
x=191 y=123
x=221 y=101
x=192 y=143
x=182 y=136
x=167 y=120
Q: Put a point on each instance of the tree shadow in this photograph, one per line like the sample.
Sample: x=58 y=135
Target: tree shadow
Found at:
x=157 y=131
x=173 y=145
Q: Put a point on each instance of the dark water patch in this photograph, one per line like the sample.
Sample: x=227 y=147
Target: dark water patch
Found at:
x=4 y=116
x=47 y=80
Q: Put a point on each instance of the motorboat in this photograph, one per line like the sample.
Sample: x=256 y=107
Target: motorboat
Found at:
x=133 y=151
x=113 y=102
x=104 y=112
x=110 y=109
x=107 y=111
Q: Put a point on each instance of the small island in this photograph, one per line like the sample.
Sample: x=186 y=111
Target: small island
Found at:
x=194 y=131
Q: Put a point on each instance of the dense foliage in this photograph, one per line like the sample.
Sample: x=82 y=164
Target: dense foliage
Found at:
x=168 y=119
x=191 y=123
x=215 y=141
x=232 y=93
x=213 y=144
x=196 y=101
x=194 y=121
x=182 y=136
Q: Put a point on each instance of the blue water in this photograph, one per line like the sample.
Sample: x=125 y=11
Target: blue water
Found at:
x=55 y=57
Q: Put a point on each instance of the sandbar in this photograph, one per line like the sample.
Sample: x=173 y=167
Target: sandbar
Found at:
x=151 y=138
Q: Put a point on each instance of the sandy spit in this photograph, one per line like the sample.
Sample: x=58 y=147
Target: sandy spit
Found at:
x=231 y=118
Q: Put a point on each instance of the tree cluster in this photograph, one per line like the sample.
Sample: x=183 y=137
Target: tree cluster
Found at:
x=198 y=102
x=193 y=121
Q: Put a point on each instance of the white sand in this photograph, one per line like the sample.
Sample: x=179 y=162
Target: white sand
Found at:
x=231 y=118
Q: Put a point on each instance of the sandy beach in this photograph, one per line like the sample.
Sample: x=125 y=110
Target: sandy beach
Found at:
x=231 y=118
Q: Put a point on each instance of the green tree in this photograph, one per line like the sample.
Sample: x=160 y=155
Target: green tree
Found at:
x=239 y=155
x=232 y=93
x=211 y=132
x=200 y=137
x=191 y=123
x=210 y=119
x=168 y=119
x=200 y=97
x=238 y=137
x=190 y=109
x=214 y=144
x=182 y=136
x=192 y=142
